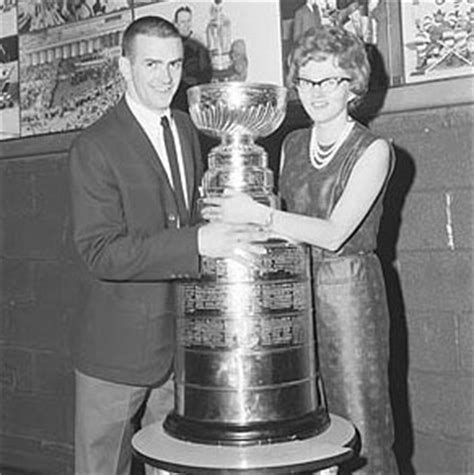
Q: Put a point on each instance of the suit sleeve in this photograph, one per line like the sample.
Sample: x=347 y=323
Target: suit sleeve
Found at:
x=110 y=250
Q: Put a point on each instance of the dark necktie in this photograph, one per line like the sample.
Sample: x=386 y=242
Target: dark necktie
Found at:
x=175 y=175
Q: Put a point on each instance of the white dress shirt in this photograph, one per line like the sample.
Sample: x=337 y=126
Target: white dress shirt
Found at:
x=150 y=122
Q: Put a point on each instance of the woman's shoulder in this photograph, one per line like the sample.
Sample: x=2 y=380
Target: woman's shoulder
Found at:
x=371 y=145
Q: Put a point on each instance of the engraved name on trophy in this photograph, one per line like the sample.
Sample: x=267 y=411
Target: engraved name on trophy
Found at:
x=246 y=369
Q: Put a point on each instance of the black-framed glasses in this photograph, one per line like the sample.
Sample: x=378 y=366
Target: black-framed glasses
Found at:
x=326 y=85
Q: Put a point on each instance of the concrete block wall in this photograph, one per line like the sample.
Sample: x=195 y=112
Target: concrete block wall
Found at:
x=425 y=243
x=429 y=273
x=37 y=298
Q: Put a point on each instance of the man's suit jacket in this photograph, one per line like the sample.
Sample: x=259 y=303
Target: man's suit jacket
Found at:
x=304 y=20
x=127 y=232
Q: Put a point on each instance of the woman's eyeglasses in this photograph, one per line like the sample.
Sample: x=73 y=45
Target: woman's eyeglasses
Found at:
x=326 y=85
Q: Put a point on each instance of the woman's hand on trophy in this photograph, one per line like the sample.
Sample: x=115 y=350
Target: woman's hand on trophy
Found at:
x=238 y=242
x=234 y=207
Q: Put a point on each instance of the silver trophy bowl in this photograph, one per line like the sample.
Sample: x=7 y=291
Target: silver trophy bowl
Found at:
x=237 y=113
x=237 y=109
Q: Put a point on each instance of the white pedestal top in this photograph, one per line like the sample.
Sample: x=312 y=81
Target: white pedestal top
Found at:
x=158 y=449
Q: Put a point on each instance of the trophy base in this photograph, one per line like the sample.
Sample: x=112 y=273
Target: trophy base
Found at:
x=219 y=433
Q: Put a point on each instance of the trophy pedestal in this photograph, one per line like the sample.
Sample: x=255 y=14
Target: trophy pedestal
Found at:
x=320 y=454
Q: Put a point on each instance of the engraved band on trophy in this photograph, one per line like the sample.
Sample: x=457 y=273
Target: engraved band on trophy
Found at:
x=246 y=369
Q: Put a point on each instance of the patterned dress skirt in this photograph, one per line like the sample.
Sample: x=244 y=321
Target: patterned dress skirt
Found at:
x=352 y=324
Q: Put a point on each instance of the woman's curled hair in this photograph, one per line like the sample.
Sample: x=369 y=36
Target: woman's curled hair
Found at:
x=347 y=49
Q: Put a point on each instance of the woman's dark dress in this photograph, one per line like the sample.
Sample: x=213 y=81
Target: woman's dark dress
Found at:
x=351 y=311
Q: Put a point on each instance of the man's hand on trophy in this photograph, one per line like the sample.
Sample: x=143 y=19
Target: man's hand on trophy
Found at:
x=238 y=242
x=235 y=207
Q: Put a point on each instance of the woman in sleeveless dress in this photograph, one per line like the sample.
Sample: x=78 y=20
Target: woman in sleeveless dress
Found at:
x=332 y=182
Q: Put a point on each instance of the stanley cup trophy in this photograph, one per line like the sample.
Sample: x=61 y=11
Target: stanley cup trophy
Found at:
x=246 y=369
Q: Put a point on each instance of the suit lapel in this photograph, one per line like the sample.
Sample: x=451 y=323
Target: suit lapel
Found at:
x=143 y=146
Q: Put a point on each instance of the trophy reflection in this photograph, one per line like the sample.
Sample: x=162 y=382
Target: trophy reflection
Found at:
x=246 y=369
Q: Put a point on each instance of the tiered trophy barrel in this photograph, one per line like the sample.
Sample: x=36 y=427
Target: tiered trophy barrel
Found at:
x=245 y=366
x=246 y=370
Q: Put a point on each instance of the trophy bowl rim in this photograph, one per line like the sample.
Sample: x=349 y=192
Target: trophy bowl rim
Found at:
x=238 y=84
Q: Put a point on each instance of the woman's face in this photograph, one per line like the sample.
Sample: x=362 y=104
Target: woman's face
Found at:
x=323 y=88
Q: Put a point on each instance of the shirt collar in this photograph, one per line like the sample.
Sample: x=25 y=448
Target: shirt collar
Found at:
x=145 y=116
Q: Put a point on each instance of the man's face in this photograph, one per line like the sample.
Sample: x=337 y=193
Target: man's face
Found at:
x=153 y=71
x=184 y=23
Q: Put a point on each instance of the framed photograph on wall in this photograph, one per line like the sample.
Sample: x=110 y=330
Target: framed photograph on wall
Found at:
x=376 y=22
x=9 y=82
x=34 y=15
x=437 y=39
x=241 y=38
x=69 y=74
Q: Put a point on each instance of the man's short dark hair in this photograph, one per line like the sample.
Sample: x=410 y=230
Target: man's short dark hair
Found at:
x=150 y=26
x=185 y=9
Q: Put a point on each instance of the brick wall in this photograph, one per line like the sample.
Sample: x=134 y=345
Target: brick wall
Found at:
x=426 y=246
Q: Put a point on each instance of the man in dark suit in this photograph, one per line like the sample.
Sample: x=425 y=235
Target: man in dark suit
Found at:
x=307 y=17
x=197 y=68
x=134 y=179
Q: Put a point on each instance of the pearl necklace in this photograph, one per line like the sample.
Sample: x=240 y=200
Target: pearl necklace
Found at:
x=319 y=155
